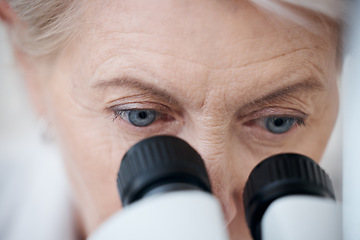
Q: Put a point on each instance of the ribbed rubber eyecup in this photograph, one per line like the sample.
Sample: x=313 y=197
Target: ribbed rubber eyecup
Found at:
x=279 y=176
x=159 y=161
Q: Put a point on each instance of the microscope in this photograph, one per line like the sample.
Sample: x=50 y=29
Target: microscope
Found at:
x=166 y=194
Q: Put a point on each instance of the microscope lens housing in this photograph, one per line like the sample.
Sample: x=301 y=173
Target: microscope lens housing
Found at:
x=279 y=176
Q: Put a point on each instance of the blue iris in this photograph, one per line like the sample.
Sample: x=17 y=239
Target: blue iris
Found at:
x=279 y=125
x=141 y=118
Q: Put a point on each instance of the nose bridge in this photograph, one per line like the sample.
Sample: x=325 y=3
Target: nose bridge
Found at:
x=211 y=136
x=216 y=146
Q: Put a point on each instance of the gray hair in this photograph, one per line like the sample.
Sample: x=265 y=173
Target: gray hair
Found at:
x=49 y=24
x=333 y=9
x=46 y=25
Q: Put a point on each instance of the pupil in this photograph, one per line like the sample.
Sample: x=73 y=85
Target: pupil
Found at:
x=141 y=118
x=142 y=115
x=279 y=122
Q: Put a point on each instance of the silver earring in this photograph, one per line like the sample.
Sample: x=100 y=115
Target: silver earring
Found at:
x=47 y=133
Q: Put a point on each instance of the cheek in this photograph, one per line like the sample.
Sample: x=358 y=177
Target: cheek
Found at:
x=92 y=158
x=92 y=152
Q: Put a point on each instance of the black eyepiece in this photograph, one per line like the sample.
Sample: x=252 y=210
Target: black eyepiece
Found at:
x=160 y=164
x=279 y=176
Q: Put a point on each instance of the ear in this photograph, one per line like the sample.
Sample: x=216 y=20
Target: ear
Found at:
x=7 y=15
x=34 y=81
x=29 y=66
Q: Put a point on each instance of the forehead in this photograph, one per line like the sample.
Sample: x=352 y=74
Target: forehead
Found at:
x=198 y=40
x=199 y=29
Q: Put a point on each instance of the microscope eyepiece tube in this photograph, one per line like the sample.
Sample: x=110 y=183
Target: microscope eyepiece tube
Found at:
x=166 y=191
x=278 y=176
x=160 y=164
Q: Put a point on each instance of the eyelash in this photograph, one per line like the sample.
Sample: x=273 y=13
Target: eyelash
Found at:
x=259 y=122
x=300 y=122
x=162 y=114
x=297 y=120
x=121 y=113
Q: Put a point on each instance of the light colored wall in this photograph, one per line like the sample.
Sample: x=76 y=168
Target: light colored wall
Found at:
x=35 y=202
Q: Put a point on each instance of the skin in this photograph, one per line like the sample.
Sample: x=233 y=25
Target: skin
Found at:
x=214 y=69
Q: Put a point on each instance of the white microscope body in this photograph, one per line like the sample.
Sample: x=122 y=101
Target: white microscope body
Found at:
x=287 y=197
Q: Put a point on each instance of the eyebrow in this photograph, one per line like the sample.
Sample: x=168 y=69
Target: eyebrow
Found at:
x=280 y=94
x=135 y=83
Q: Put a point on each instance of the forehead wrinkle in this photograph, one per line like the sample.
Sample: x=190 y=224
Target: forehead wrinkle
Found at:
x=202 y=56
x=228 y=24
x=270 y=58
x=217 y=67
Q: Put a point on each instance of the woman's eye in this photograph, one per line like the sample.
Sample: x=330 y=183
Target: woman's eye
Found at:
x=280 y=125
x=139 y=118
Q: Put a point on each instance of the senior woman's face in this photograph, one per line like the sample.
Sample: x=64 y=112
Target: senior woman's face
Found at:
x=234 y=82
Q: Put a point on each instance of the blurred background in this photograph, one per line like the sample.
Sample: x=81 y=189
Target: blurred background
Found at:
x=32 y=180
